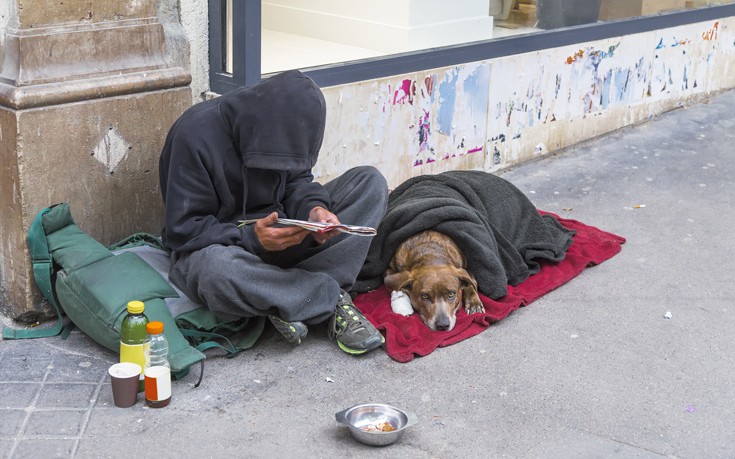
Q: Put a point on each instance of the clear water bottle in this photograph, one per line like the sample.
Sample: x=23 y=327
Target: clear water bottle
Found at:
x=157 y=370
x=134 y=337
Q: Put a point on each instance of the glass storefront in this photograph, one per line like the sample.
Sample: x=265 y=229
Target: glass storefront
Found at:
x=302 y=34
x=339 y=41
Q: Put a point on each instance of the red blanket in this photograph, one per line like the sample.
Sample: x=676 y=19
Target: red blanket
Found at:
x=406 y=337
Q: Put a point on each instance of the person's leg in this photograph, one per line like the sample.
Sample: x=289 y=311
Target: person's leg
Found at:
x=230 y=280
x=233 y=282
x=359 y=197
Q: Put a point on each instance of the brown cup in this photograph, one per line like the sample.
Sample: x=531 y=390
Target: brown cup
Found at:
x=124 y=377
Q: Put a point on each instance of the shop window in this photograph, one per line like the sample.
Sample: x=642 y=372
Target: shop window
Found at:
x=338 y=41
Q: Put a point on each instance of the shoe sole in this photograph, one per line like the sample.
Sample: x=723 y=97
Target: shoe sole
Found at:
x=360 y=351
x=287 y=331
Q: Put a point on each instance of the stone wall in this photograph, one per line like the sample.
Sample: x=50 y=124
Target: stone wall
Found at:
x=88 y=91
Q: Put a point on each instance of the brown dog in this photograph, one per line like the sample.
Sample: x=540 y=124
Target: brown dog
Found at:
x=430 y=269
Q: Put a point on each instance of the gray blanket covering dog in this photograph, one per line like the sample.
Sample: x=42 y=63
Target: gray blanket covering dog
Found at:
x=499 y=230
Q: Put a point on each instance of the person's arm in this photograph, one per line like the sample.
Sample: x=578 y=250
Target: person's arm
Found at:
x=192 y=205
x=320 y=214
x=274 y=238
x=303 y=194
x=306 y=199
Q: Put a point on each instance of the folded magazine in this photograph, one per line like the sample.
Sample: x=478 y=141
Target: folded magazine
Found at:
x=319 y=227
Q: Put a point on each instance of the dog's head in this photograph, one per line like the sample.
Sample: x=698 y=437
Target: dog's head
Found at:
x=435 y=292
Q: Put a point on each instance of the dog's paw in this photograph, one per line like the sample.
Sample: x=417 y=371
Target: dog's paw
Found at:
x=400 y=303
x=473 y=307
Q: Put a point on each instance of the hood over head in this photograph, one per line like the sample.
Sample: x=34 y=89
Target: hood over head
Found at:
x=278 y=123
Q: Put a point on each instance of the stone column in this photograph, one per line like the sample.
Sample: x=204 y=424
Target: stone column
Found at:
x=88 y=90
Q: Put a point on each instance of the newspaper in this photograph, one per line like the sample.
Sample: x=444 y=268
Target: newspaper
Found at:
x=319 y=227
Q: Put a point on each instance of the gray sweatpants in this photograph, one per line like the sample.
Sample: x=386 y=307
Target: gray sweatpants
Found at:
x=301 y=283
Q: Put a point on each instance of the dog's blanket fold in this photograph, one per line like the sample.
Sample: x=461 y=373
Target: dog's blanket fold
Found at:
x=406 y=337
x=499 y=230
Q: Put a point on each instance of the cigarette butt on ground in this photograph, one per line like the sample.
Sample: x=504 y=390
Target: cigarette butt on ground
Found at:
x=639 y=206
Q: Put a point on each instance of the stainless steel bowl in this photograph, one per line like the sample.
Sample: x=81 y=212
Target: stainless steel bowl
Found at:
x=366 y=421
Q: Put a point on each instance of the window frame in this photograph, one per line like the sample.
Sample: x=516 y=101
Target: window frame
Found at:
x=246 y=19
x=247 y=67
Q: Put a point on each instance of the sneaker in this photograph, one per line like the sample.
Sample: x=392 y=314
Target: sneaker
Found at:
x=294 y=332
x=354 y=333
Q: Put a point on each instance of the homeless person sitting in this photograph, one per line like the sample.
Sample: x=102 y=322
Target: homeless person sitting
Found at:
x=249 y=154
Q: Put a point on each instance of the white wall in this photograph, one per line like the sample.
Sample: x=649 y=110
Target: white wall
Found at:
x=194 y=14
x=8 y=14
x=394 y=12
x=390 y=26
x=193 y=49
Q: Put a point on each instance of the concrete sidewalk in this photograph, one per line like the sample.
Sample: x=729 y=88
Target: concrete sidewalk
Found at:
x=593 y=369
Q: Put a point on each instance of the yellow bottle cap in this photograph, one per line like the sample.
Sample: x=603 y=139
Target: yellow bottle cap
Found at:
x=136 y=307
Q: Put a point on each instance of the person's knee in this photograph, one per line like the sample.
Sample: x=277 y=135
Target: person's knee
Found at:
x=370 y=172
x=373 y=180
x=209 y=264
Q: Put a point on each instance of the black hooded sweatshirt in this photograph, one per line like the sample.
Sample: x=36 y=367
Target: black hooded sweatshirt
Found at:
x=242 y=155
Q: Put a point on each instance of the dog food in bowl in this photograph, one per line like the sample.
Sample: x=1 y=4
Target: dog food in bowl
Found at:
x=376 y=424
x=379 y=427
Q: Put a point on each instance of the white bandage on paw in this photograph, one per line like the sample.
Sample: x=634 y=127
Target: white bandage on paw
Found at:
x=400 y=303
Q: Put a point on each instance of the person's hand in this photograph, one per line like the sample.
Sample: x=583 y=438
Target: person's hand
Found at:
x=274 y=238
x=322 y=215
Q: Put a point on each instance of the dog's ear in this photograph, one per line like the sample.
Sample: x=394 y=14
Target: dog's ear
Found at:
x=398 y=281
x=466 y=279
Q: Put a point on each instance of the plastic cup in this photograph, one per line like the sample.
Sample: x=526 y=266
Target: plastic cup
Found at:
x=125 y=378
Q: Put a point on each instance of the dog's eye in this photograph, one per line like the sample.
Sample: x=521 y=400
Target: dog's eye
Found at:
x=425 y=296
x=451 y=295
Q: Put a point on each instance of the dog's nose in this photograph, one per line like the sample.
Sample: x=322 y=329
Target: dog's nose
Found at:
x=442 y=323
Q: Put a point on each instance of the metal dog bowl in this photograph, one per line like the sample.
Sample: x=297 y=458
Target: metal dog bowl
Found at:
x=376 y=424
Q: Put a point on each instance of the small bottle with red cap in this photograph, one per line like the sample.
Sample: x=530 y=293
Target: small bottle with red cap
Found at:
x=157 y=369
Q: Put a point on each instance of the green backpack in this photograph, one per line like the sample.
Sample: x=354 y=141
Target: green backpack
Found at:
x=92 y=284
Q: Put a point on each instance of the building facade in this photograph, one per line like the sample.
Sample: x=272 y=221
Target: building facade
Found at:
x=89 y=89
